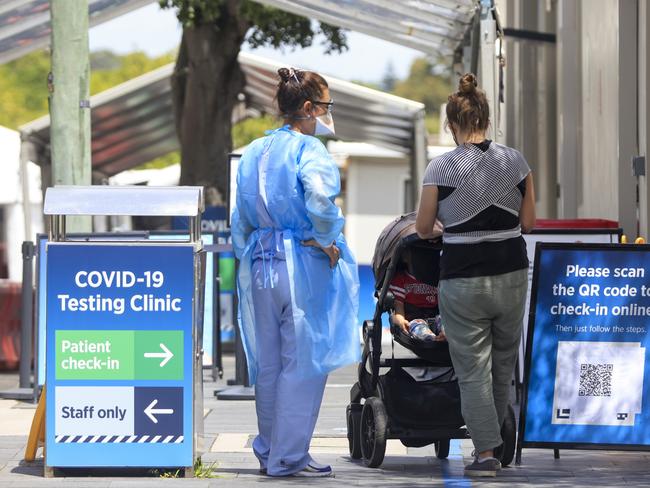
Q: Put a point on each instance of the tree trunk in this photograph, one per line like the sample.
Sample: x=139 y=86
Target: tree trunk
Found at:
x=205 y=88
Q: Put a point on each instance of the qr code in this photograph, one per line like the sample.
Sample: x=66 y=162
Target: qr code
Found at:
x=595 y=380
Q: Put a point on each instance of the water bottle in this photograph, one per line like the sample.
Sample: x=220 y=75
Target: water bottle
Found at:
x=419 y=329
x=435 y=324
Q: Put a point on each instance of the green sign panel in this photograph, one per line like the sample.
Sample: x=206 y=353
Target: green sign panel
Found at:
x=119 y=354
x=158 y=354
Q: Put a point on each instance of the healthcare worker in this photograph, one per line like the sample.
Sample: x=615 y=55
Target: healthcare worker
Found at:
x=298 y=281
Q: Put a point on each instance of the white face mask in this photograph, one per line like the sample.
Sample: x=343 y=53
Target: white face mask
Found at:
x=324 y=125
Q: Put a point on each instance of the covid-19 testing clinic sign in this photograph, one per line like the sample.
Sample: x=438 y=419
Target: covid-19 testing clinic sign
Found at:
x=587 y=377
x=119 y=355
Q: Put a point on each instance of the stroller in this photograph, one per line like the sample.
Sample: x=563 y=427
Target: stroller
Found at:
x=418 y=399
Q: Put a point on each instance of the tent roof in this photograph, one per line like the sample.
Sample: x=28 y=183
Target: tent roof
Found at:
x=133 y=122
x=433 y=26
x=25 y=24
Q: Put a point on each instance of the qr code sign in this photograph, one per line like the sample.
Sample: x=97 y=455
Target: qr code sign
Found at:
x=595 y=380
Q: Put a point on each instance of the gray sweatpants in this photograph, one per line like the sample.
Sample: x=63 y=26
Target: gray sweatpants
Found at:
x=482 y=318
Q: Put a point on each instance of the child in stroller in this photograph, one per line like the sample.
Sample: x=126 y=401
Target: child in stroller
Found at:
x=416 y=303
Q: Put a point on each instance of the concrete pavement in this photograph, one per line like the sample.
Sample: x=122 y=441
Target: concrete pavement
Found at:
x=231 y=425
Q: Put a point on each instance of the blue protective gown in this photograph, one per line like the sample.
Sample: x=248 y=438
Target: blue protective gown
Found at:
x=297 y=316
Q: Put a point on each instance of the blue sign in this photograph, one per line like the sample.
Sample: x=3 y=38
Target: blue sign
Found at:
x=119 y=355
x=227 y=334
x=213 y=219
x=588 y=373
x=159 y=411
x=367 y=300
x=208 y=300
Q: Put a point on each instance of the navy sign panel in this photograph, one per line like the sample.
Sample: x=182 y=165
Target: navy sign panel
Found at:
x=159 y=411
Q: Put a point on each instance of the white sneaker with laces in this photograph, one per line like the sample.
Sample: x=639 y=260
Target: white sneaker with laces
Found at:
x=315 y=470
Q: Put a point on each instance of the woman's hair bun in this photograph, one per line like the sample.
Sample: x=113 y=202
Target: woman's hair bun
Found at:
x=467 y=84
x=284 y=74
x=295 y=87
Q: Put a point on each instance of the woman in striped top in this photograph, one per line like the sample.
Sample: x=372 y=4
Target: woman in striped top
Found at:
x=483 y=194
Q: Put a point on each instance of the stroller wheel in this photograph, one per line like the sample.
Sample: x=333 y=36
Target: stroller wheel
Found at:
x=442 y=449
x=373 y=432
x=353 y=417
x=506 y=451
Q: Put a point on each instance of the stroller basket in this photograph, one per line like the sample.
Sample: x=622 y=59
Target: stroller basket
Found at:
x=422 y=404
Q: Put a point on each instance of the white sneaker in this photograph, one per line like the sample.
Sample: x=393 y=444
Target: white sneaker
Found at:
x=315 y=470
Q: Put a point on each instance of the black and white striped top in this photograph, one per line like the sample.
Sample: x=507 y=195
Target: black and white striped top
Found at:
x=480 y=192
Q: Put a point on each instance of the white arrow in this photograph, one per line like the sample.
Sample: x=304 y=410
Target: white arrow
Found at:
x=150 y=411
x=166 y=355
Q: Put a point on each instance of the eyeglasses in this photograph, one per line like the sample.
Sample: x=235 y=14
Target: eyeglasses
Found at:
x=329 y=105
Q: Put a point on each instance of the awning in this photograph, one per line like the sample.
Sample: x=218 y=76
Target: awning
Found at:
x=25 y=24
x=133 y=122
x=431 y=26
x=435 y=27
x=360 y=113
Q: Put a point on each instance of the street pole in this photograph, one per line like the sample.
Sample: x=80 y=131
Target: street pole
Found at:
x=25 y=390
x=69 y=100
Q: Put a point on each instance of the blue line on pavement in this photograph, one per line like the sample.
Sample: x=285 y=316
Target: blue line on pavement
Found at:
x=448 y=477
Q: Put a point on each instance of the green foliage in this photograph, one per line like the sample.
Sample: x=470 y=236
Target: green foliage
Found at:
x=246 y=131
x=168 y=473
x=432 y=123
x=200 y=471
x=426 y=83
x=268 y=26
x=195 y=12
x=389 y=79
x=111 y=69
x=104 y=60
x=367 y=84
x=204 y=471
x=23 y=82
x=243 y=133
x=335 y=38
x=162 y=161
x=23 y=89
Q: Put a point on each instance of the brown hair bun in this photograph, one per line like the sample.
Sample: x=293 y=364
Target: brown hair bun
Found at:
x=295 y=87
x=284 y=74
x=467 y=84
x=468 y=108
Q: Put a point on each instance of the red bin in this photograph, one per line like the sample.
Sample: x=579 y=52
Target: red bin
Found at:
x=10 y=299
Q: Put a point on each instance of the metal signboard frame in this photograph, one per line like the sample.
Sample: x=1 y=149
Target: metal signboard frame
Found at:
x=583 y=339
x=110 y=400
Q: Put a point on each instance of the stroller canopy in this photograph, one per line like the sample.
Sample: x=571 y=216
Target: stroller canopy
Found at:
x=400 y=232
x=388 y=241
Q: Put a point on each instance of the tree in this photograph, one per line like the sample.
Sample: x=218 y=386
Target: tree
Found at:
x=248 y=130
x=389 y=79
x=23 y=89
x=427 y=84
x=108 y=69
x=23 y=81
x=207 y=79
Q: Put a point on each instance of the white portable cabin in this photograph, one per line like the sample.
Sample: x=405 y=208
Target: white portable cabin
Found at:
x=13 y=220
x=376 y=190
